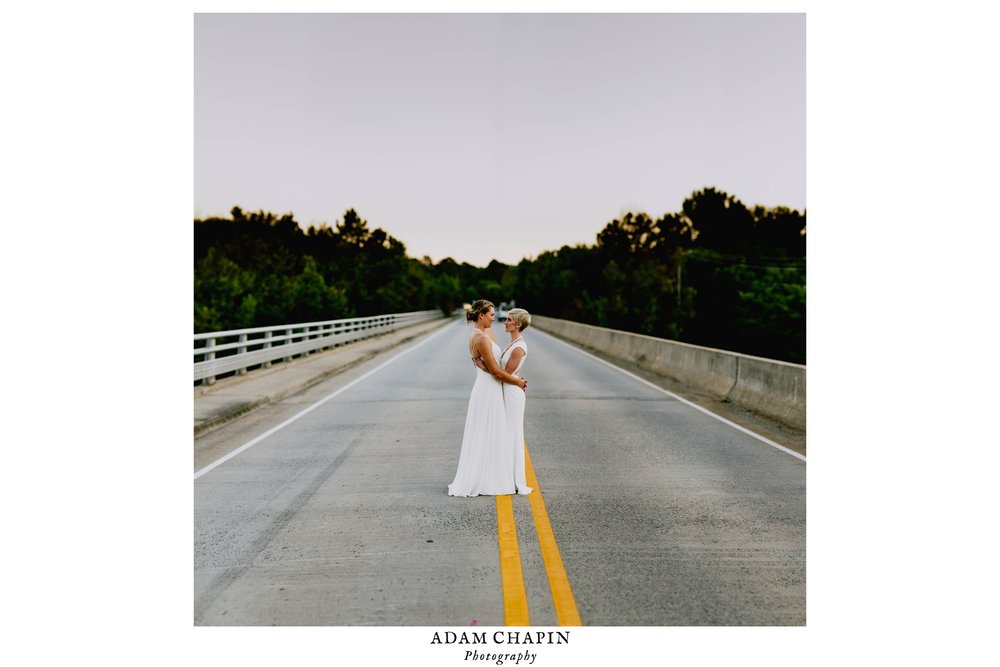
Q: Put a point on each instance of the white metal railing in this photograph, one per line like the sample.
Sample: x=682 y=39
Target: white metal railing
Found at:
x=241 y=349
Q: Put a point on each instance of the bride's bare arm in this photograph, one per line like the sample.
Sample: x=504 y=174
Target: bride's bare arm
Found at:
x=515 y=360
x=483 y=347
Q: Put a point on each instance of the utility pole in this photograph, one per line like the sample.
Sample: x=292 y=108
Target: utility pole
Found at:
x=678 y=284
x=680 y=261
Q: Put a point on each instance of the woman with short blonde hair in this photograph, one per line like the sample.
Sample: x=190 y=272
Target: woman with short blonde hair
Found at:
x=512 y=358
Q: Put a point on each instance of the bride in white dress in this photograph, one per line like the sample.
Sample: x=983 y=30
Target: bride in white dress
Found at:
x=486 y=461
x=512 y=359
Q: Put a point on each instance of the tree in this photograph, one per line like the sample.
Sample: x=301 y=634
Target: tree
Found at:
x=715 y=273
x=720 y=221
x=223 y=298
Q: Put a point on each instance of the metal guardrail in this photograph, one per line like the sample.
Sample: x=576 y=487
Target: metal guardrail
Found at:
x=239 y=350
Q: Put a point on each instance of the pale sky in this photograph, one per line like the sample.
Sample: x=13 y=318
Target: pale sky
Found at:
x=482 y=136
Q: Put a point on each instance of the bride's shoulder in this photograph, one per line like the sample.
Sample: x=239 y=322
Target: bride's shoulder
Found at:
x=477 y=337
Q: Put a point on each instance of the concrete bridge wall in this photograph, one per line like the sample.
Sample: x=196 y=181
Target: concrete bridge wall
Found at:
x=775 y=389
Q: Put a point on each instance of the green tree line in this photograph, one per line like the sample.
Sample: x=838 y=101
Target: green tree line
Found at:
x=716 y=273
x=260 y=269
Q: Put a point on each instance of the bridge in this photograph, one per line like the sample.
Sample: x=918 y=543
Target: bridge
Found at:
x=320 y=496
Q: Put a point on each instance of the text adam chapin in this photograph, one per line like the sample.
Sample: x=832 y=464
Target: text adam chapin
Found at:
x=502 y=637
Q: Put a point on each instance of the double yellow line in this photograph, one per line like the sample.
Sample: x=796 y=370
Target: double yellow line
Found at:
x=515 y=598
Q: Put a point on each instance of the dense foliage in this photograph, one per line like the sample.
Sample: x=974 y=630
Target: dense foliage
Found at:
x=258 y=269
x=716 y=273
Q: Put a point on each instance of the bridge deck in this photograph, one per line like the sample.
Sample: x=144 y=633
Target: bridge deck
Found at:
x=660 y=513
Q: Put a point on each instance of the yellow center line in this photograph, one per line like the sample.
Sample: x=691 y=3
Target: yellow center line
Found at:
x=515 y=599
x=562 y=594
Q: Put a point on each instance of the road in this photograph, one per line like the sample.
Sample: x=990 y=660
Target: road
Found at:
x=651 y=512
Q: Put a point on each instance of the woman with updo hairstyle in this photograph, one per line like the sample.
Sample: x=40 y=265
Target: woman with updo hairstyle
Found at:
x=512 y=359
x=486 y=460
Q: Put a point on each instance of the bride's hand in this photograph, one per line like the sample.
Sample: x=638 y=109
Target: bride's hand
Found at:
x=523 y=384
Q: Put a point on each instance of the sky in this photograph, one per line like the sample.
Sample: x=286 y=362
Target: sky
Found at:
x=495 y=136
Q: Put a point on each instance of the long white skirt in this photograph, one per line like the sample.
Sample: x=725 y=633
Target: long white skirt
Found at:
x=514 y=399
x=486 y=462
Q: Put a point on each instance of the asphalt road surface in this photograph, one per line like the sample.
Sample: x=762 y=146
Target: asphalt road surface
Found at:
x=650 y=512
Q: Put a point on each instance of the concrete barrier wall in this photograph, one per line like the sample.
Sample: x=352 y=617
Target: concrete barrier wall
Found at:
x=775 y=389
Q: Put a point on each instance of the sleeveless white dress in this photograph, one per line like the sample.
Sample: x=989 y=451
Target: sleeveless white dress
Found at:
x=486 y=461
x=513 y=399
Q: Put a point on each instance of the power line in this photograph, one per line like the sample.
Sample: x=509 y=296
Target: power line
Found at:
x=755 y=262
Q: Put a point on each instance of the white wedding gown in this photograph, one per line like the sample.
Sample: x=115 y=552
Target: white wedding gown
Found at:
x=513 y=398
x=486 y=462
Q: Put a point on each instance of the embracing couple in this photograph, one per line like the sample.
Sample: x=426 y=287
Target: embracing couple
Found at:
x=491 y=462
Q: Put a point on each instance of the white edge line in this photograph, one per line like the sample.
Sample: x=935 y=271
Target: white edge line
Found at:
x=679 y=398
x=312 y=407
